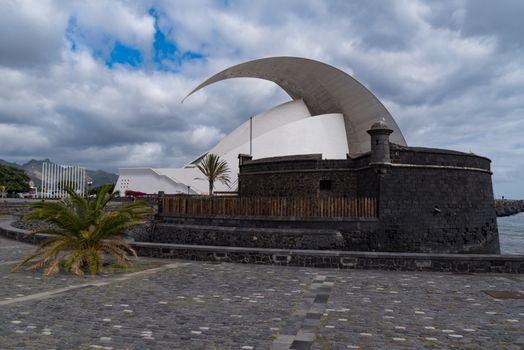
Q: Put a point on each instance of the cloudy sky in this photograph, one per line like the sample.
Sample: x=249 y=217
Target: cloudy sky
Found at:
x=99 y=83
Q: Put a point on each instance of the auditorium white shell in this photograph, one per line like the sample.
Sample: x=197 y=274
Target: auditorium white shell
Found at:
x=328 y=114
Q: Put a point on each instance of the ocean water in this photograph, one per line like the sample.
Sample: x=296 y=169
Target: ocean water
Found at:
x=511 y=234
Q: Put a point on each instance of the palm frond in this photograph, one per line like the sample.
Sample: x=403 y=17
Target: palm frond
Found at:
x=83 y=229
x=94 y=261
x=57 y=247
x=117 y=250
x=75 y=261
x=54 y=267
x=214 y=169
x=40 y=250
x=51 y=231
x=26 y=260
x=55 y=213
x=39 y=264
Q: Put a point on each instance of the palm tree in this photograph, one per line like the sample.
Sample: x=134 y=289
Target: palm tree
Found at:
x=214 y=169
x=82 y=230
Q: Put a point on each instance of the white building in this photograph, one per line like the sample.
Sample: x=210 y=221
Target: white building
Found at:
x=329 y=114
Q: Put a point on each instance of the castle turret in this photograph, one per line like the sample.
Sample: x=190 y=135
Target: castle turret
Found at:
x=380 y=132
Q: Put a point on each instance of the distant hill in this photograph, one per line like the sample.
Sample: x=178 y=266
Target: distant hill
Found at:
x=3 y=162
x=33 y=168
x=100 y=177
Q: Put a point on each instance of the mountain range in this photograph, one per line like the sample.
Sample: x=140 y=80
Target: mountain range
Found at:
x=33 y=169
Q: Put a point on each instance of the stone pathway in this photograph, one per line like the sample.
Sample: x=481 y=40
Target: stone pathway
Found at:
x=198 y=305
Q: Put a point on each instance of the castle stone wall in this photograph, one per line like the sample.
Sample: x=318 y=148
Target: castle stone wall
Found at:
x=430 y=200
x=305 y=183
x=436 y=210
x=263 y=232
x=437 y=157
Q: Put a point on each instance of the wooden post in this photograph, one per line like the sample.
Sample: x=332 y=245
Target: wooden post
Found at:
x=160 y=203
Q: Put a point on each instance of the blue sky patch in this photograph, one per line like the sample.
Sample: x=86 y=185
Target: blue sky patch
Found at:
x=71 y=32
x=163 y=48
x=166 y=53
x=124 y=55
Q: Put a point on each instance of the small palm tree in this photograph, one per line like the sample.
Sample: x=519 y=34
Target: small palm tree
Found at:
x=82 y=231
x=214 y=169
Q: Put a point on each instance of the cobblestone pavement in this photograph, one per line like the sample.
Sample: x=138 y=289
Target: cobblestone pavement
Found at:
x=198 y=305
x=13 y=250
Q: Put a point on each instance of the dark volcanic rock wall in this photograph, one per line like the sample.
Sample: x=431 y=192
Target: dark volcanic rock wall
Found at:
x=297 y=176
x=299 y=184
x=430 y=200
x=506 y=207
x=438 y=210
x=307 y=233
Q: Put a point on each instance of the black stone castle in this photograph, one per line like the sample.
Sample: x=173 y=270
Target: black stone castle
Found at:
x=429 y=200
x=424 y=200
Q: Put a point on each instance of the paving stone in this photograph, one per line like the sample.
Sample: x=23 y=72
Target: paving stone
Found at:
x=197 y=305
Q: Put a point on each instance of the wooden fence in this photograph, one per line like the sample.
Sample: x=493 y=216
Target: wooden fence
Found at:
x=271 y=206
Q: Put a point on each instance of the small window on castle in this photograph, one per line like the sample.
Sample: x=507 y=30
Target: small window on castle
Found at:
x=325 y=185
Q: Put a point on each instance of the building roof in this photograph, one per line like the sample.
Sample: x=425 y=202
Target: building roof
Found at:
x=324 y=89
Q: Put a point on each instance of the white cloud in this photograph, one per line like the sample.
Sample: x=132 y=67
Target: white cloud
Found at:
x=450 y=72
x=126 y=22
x=31 y=33
x=13 y=139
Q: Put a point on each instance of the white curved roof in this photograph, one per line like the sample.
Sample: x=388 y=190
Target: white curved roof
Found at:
x=330 y=114
x=324 y=90
x=264 y=122
x=287 y=129
x=323 y=134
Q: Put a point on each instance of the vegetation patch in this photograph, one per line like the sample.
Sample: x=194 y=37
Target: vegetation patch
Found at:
x=84 y=230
